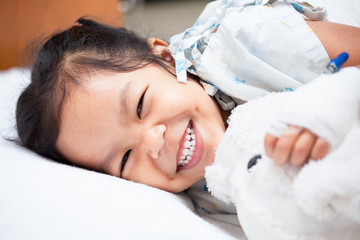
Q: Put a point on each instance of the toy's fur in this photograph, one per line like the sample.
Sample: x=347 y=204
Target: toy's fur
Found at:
x=321 y=200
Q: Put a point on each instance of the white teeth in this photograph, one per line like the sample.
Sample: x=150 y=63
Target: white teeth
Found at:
x=189 y=147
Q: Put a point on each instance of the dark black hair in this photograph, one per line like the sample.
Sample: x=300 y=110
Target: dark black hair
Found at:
x=61 y=61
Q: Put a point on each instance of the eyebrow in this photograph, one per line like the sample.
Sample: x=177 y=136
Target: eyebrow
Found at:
x=105 y=163
x=124 y=99
x=124 y=96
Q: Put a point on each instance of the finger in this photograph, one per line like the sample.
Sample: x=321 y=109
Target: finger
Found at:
x=302 y=148
x=285 y=144
x=270 y=143
x=320 y=149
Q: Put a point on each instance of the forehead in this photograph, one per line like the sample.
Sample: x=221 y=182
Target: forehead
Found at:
x=103 y=78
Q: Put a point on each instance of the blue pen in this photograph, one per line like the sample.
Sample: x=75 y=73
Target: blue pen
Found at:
x=335 y=64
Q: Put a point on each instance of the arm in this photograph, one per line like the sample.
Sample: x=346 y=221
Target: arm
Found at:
x=338 y=38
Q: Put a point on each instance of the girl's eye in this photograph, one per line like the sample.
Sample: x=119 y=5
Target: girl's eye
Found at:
x=139 y=106
x=124 y=160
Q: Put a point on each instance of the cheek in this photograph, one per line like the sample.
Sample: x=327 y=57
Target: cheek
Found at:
x=147 y=173
x=193 y=93
x=177 y=98
x=189 y=97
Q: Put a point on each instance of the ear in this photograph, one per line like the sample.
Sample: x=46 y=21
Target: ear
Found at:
x=159 y=48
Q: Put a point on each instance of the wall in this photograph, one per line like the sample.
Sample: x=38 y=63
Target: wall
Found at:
x=23 y=21
x=162 y=18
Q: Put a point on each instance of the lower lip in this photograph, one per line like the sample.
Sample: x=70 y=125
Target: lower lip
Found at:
x=198 y=152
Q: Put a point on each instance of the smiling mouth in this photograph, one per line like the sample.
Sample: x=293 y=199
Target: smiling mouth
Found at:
x=191 y=148
x=188 y=148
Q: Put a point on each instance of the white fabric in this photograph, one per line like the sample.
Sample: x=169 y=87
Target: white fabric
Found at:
x=318 y=201
x=247 y=50
x=344 y=12
x=41 y=199
x=211 y=207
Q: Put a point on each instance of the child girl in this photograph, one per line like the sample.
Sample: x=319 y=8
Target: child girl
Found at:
x=105 y=99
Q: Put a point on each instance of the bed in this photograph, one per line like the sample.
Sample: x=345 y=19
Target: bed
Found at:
x=42 y=199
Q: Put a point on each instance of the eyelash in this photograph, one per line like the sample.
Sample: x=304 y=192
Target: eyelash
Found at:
x=139 y=106
x=124 y=160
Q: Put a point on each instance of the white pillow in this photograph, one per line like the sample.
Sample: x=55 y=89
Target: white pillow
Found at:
x=43 y=199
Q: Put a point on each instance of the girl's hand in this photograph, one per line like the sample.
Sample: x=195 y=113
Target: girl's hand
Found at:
x=296 y=145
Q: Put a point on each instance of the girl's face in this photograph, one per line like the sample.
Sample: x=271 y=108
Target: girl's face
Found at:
x=143 y=126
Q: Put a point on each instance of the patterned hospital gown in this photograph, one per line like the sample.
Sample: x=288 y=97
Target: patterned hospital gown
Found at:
x=247 y=48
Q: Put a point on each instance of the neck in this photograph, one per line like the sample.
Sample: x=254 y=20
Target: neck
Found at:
x=225 y=115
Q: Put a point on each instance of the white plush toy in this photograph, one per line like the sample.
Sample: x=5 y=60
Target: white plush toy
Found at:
x=321 y=200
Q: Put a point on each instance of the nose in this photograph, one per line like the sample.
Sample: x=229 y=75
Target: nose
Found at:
x=154 y=140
